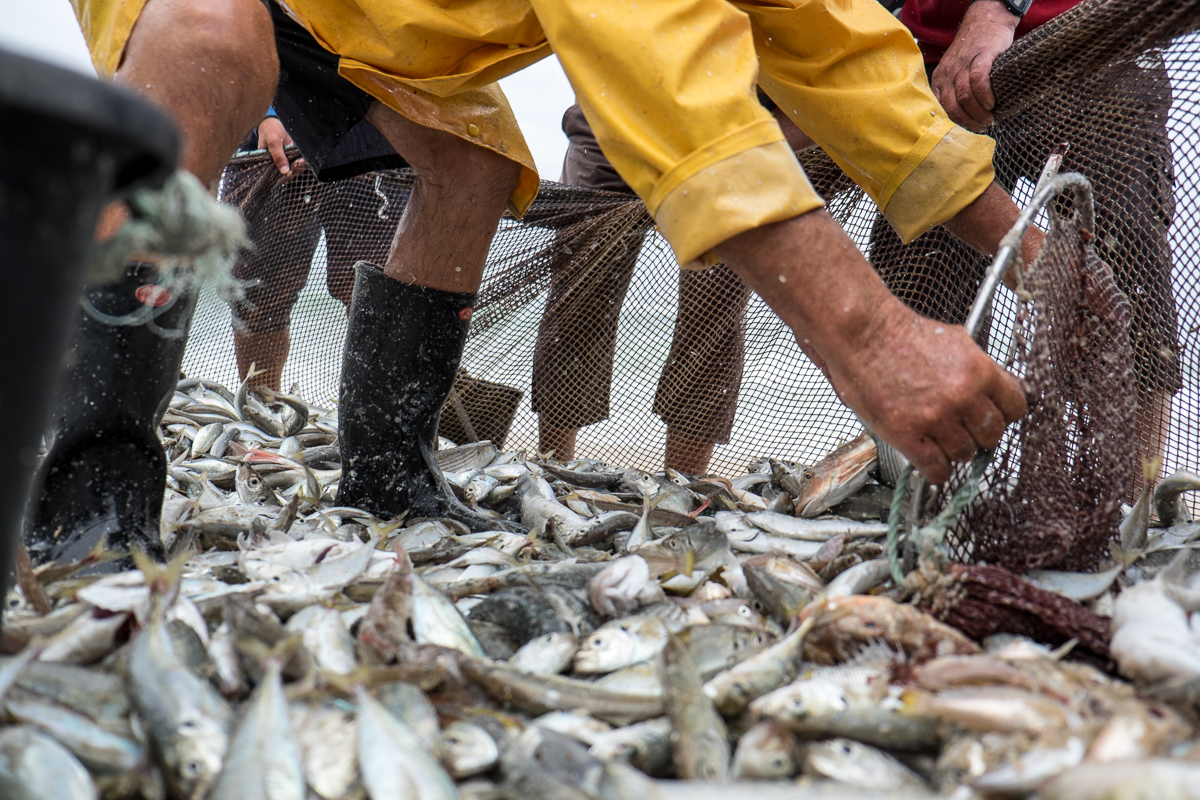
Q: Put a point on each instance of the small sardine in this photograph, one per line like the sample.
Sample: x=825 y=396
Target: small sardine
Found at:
x=549 y=653
x=852 y=762
x=701 y=751
x=264 y=756
x=465 y=750
x=394 y=760
x=768 y=751
x=35 y=767
x=621 y=643
x=835 y=477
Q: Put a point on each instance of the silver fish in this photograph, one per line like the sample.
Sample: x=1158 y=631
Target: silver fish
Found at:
x=186 y=720
x=855 y=763
x=264 y=757
x=35 y=767
x=465 y=750
x=394 y=761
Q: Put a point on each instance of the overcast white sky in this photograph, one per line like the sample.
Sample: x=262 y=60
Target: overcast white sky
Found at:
x=539 y=95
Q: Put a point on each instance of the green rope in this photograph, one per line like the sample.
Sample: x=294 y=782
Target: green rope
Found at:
x=893 y=534
x=195 y=236
x=935 y=532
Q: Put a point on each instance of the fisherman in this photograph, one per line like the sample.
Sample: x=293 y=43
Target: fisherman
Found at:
x=573 y=359
x=669 y=90
x=1130 y=166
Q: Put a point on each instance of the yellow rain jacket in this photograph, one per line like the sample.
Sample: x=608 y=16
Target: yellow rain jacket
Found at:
x=669 y=89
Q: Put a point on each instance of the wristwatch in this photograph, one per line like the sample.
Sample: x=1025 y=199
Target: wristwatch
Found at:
x=1016 y=7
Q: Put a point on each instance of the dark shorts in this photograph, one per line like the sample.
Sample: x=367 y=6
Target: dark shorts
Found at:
x=285 y=220
x=322 y=111
x=573 y=358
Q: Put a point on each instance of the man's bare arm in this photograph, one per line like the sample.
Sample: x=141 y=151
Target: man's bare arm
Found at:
x=962 y=82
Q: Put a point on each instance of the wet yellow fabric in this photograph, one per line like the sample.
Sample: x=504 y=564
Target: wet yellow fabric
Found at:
x=106 y=26
x=668 y=86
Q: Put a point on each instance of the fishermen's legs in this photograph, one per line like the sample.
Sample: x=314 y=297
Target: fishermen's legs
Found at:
x=266 y=352
x=212 y=66
x=576 y=342
x=408 y=322
x=698 y=392
x=461 y=189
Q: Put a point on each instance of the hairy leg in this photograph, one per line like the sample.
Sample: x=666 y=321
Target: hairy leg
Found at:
x=460 y=192
x=686 y=455
x=212 y=66
x=560 y=441
x=923 y=386
x=267 y=352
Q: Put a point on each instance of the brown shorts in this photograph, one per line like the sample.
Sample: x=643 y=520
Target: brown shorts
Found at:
x=1129 y=163
x=573 y=358
x=285 y=222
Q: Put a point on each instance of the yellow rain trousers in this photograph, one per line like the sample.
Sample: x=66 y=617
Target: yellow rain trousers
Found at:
x=668 y=87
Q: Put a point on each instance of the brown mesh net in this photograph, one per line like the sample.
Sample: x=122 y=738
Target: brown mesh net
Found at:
x=585 y=320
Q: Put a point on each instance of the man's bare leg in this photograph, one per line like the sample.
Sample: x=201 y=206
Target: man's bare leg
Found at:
x=559 y=441
x=408 y=323
x=461 y=189
x=924 y=387
x=267 y=352
x=687 y=455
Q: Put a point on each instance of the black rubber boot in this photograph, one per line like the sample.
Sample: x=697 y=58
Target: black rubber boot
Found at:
x=71 y=143
x=105 y=471
x=403 y=347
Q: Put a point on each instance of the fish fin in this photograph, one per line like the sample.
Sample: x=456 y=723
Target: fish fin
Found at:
x=403 y=562
x=1061 y=652
x=707 y=502
x=281 y=652
x=163 y=581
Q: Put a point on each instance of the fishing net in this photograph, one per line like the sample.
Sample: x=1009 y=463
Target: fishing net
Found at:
x=584 y=319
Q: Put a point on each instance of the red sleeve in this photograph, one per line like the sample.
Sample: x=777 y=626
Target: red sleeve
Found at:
x=934 y=22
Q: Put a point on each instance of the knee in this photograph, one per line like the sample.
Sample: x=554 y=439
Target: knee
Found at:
x=226 y=39
x=462 y=165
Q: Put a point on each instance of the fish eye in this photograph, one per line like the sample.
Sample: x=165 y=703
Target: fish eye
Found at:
x=191 y=769
x=808 y=476
x=453 y=740
x=745 y=611
x=758 y=638
x=845 y=748
x=777 y=761
x=673 y=544
x=597 y=641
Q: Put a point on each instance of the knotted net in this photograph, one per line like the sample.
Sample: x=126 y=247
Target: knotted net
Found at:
x=585 y=320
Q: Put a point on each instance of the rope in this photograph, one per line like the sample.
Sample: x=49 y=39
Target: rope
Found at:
x=193 y=237
x=932 y=535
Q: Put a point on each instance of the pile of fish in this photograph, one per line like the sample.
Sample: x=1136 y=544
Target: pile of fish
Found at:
x=610 y=634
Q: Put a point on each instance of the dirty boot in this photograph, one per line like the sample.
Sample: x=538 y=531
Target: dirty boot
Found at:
x=73 y=144
x=403 y=347
x=105 y=470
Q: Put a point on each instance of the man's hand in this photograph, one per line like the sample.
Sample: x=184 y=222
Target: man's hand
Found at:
x=927 y=389
x=962 y=82
x=273 y=138
x=923 y=386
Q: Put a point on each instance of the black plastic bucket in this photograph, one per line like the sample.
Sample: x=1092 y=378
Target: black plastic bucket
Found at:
x=68 y=145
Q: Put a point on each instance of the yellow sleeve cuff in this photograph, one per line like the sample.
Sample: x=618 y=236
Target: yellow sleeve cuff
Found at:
x=955 y=171
x=743 y=191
